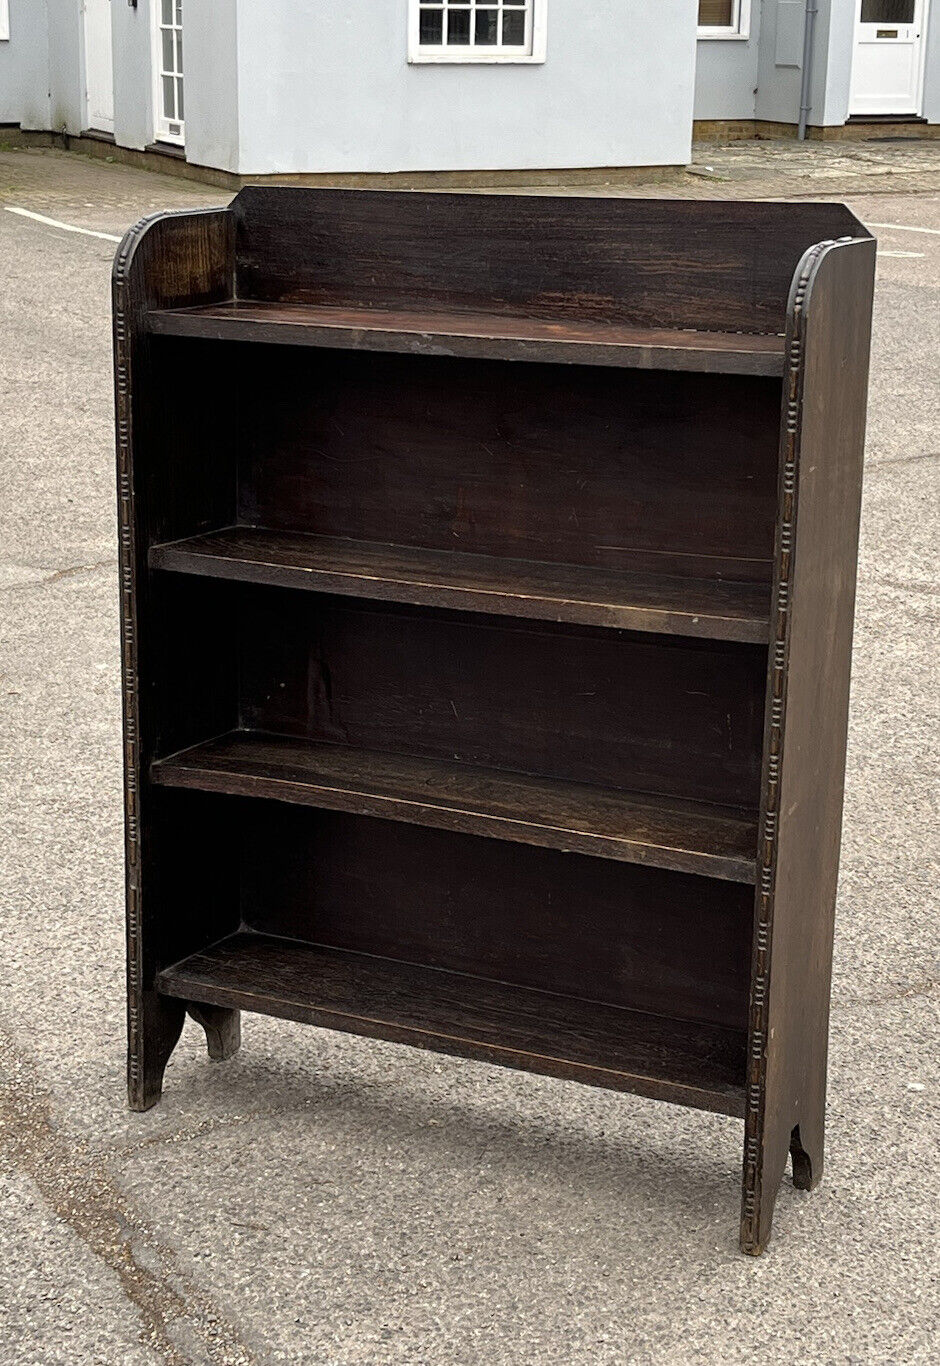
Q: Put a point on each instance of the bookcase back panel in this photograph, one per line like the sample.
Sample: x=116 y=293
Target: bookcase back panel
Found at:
x=186 y=416
x=659 y=263
x=666 y=942
x=621 y=469
x=675 y=717
x=191 y=654
x=193 y=898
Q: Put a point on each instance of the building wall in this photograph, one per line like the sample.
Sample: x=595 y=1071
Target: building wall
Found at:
x=319 y=87
x=932 y=71
x=42 y=82
x=837 y=75
x=780 y=69
x=728 y=70
x=327 y=87
x=212 y=82
x=66 y=74
x=24 y=66
x=726 y=74
x=761 y=77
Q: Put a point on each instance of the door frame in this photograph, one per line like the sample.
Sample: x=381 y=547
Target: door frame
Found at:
x=162 y=133
x=921 y=62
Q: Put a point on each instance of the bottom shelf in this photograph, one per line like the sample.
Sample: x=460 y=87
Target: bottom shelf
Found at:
x=689 y=1063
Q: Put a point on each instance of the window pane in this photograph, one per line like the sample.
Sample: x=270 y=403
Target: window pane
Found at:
x=169 y=103
x=432 y=26
x=716 y=13
x=513 y=27
x=179 y=51
x=167 y=10
x=458 y=26
x=487 y=27
x=179 y=99
x=887 y=11
x=167 y=50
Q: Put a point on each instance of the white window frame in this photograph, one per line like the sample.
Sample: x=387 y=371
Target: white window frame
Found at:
x=420 y=55
x=737 y=31
x=4 y=21
x=161 y=125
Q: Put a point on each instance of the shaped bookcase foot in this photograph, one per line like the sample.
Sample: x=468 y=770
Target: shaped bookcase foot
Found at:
x=223 y=1029
x=805 y=1147
x=155 y=1032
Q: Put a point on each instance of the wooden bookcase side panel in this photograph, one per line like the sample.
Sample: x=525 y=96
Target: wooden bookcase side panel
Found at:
x=822 y=448
x=166 y=260
x=662 y=264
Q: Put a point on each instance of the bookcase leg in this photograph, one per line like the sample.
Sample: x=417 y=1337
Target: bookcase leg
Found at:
x=156 y=1024
x=805 y=1146
x=758 y=1211
x=223 y=1028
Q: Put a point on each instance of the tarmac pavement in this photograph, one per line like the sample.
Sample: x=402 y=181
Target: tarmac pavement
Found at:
x=326 y=1199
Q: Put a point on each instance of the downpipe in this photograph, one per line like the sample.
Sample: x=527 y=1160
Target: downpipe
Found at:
x=809 y=33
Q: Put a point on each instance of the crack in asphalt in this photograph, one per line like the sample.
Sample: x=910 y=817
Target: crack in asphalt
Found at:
x=901 y=460
x=84 y=1196
x=925 y=986
x=906 y=585
x=56 y=575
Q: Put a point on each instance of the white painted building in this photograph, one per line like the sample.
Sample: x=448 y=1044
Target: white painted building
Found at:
x=309 y=86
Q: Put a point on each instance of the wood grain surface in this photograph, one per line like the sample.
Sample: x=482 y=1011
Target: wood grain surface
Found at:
x=715 y=609
x=695 y=837
x=691 y=1064
x=476 y=334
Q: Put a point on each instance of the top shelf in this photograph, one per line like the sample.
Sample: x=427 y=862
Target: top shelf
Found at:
x=494 y=336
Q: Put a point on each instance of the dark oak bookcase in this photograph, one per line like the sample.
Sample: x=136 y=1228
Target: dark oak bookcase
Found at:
x=488 y=571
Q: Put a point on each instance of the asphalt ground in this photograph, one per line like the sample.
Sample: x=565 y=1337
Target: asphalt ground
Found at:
x=326 y=1199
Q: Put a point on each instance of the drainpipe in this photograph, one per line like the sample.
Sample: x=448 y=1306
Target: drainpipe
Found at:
x=809 y=30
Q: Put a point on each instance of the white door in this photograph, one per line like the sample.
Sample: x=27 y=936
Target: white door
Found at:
x=887 y=70
x=99 y=73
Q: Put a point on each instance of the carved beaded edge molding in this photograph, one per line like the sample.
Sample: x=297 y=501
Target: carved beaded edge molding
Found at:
x=127 y=549
x=757 y=1057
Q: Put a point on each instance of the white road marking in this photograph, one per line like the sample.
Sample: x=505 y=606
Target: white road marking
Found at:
x=54 y=223
x=907 y=255
x=905 y=227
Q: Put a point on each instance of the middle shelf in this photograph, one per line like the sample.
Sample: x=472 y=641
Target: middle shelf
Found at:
x=710 y=608
x=685 y=836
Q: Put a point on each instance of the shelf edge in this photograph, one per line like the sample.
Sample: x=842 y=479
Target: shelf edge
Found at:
x=417 y=341
x=178 y=558
x=176 y=772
